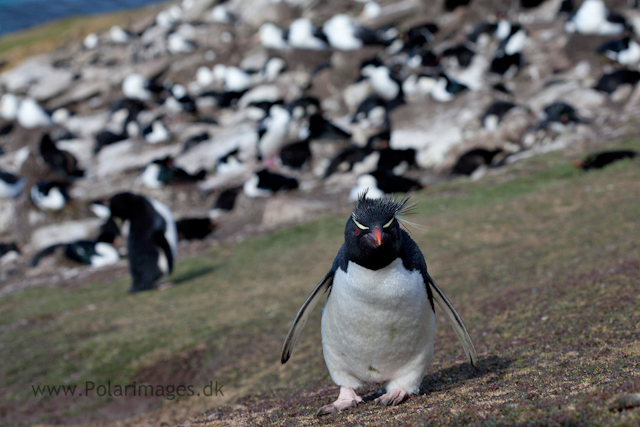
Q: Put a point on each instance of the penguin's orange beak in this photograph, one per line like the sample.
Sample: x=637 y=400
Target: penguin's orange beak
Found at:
x=376 y=237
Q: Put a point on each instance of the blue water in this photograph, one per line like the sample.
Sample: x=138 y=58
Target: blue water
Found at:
x=20 y=14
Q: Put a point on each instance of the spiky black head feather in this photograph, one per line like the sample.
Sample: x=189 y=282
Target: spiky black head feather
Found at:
x=367 y=209
x=372 y=236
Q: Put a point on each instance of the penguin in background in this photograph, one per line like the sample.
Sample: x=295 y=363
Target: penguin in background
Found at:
x=379 y=273
x=153 y=238
x=59 y=161
x=96 y=253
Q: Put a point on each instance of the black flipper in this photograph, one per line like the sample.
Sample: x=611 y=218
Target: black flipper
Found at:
x=303 y=314
x=456 y=322
x=413 y=259
x=43 y=253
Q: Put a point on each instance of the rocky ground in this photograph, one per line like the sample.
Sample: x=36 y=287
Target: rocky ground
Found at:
x=86 y=82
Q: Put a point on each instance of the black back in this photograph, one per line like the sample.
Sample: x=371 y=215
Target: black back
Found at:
x=275 y=182
x=296 y=154
x=227 y=199
x=146 y=238
x=600 y=160
x=609 y=82
x=194 y=228
x=471 y=160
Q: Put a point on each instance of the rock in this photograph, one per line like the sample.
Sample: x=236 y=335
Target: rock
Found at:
x=122 y=156
x=260 y=93
x=87 y=126
x=51 y=84
x=206 y=154
x=7 y=215
x=196 y=9
x=64 y=232
x=24 y=75
x=285 y=210
x=625 y=401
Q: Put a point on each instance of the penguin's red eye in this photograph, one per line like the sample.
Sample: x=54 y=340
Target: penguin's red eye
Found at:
x=357 y=232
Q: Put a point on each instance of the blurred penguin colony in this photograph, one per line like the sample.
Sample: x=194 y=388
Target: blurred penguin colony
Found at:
x=234 y=115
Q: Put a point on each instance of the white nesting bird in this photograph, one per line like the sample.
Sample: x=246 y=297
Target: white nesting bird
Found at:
x=134 y=86
x=91 y=41
x=381 y=81
x=366 y=183
x=272 y=37
x=273 y=131
x=170 y=17
x=177 y=43
x=9 y=106
x=204 y=76
x=30 y=115
x=233 y=78
x=593 y=18
x=156 y=132
x=302 y=35
x=118 y=35
x=221 y=14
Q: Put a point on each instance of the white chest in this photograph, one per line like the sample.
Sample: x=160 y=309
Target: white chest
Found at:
x=375 y=323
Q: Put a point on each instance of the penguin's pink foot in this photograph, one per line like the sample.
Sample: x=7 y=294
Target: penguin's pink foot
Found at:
x=392 y=398
x=346 y=399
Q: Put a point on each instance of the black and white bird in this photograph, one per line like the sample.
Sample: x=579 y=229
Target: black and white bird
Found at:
x=96 y=253
x=153 y=238
x=163 y=172
x=604 y=158
x=195 y=228
x=302 y=35
x=385 y=83
x=30 y=115
x=593 y=18
x=272 y=132
x=50 y=195
x=461 y=53
x=625 y=51
x=227 y=199
x=59 y=161
x=194 y=140
x=418 y=36
x=344 y=33
x=265 y=183
x=610 y=82
x=508 y=57
x=296 y=154
x=494 y=113
x=559 y=112
x=321 y=128
x=390 y=183
x=273 y=37
x=156 y=132
x=10 y=250
x=473 y=159
x=136 y=86
x=378 y=323
x=371 y=113
x=10 y=185
x=302 y=107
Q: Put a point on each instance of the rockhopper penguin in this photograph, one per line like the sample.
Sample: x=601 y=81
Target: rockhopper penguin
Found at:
x=152 y=241
x=378 y=321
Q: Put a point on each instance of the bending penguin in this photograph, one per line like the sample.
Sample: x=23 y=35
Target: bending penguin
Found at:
x=379 y=274
x=152 y=241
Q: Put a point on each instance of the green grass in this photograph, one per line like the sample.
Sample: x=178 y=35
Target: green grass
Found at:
x=541 y=240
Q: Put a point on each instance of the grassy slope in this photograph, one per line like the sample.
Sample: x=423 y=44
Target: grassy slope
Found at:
x=543 y=263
